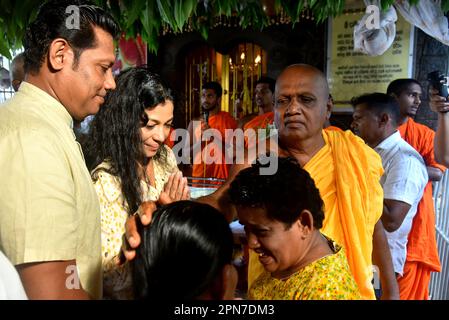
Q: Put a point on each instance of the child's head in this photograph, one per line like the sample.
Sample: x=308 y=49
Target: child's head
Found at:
x=186 y=253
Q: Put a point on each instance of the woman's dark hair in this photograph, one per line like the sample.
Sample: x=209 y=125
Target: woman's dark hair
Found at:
x=183 y=251
x=284 y=195
x=114 y=134
x=54 y=21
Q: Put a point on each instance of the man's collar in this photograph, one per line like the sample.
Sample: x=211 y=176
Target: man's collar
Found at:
x=389 y=141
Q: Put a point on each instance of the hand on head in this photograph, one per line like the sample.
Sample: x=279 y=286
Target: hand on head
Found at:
x=131 y=239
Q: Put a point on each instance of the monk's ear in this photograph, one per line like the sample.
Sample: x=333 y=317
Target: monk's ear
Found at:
x=305 y=223
x=60 y=54
x=329 y=106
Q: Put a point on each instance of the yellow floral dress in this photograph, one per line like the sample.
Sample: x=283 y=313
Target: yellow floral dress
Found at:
x=117 y=281
x=328 y=278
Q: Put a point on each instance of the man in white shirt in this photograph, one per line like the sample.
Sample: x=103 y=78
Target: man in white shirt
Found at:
x=375 y=120
x=11 y=287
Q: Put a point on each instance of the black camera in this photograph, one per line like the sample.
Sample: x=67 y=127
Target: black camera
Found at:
x=439 y=82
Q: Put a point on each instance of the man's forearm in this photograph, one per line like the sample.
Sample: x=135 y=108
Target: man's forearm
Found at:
x=382 y=259
x=435 y=174
x=442 y=139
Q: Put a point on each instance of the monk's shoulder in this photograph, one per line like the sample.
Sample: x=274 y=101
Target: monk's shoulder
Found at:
x=357 y=147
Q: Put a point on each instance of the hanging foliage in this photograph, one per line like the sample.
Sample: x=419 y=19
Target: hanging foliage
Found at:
x=150 y=18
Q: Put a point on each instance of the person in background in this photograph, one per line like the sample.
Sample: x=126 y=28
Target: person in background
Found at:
x=186 y=254
x=17 y=71
x=49 y=211
x=130 y=164
x=283 y=214
x=264 y=97
x=376 y=120
x=11 y=287
x=422 y=251
x=203 y=152
x=441 y=106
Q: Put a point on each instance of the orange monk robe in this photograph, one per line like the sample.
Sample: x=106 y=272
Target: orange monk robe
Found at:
x=262 y=121
x=347 y=173
x=220 y=121
x=422 y=251
x=333 y=128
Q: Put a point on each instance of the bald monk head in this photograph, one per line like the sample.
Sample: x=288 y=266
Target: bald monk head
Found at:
x=302 y=105
x=17 y=71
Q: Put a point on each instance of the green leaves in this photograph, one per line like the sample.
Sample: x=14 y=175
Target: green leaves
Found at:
x=183 y=10
x=14 y=17
x=251 y=14
x=149 y=17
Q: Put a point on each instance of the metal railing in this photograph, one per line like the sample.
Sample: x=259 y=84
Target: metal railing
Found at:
x=439 y=282
x=200 y=187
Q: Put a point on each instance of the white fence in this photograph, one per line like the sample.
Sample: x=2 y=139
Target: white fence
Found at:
x=439 y=283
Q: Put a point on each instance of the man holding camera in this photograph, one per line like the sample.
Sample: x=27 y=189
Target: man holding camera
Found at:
x=440 y=105
x=422 y=252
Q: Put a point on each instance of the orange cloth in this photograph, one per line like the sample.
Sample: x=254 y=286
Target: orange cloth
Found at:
x=347 y=173
x=333 y=128
x=421 y=246
x=220 y=121
x=414 y=284
x=260 y=122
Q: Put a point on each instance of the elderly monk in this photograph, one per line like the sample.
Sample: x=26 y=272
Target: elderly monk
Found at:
x=345 y=170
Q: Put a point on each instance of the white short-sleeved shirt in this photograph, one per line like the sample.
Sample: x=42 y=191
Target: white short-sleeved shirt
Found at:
x=404 y=180
x=10 y=285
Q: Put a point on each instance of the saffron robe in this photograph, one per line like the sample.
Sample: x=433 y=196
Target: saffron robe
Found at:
x=422 y=246
x=220 y=121
x=347 y=174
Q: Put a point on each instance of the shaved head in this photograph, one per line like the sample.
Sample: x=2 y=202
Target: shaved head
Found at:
x=302 y=104
x=314 y=74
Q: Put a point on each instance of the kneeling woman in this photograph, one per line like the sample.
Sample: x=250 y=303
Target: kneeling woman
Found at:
x=282 y=214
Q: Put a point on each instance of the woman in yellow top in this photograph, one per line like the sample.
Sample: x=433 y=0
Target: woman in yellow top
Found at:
x=282 y=215
x=130 y=164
